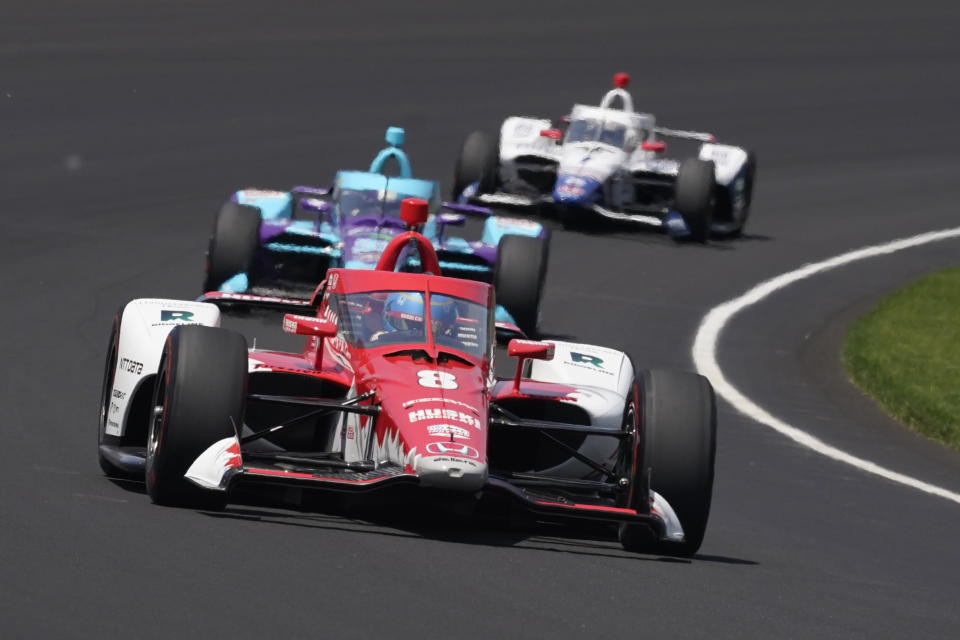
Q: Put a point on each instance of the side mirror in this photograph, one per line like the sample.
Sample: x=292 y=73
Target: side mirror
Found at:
x=309 y=192
x=308 y=326
x=553 y=134
x=656 y=146
x=528 y=350
x=468 y=209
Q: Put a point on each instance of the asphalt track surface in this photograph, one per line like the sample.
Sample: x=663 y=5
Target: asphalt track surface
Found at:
x=125 y=124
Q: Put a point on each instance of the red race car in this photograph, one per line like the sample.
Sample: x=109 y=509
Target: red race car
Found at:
x=396 y=385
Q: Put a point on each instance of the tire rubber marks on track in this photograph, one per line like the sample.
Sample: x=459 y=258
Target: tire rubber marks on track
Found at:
x=705 y=354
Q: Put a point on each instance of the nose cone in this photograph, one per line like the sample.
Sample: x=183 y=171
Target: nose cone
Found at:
x=452 y=465
x=441 y=415
x=574 y=189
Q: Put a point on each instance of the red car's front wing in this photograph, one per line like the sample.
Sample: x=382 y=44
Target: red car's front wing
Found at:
x=541 y=503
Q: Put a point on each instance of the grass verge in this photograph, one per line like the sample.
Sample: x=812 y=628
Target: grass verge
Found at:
x=906 y=354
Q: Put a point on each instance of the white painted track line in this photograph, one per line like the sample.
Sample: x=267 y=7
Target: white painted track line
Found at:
x=708 y=334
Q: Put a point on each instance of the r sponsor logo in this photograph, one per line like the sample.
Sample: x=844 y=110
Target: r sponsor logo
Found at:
x=172 y=315
x=587 y=359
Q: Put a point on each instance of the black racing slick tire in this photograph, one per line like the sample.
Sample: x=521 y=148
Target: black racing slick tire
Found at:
x=519 y=276
x=233 y=243
x=694 y=196
x=479 y=161
x=732 y=208
x=199 y=399
x=751 y=177
x=679 y=423
x=748 y=179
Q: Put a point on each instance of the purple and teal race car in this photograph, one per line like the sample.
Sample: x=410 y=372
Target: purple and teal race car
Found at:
x=282 y=242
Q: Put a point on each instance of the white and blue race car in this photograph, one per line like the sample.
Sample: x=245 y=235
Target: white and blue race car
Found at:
x=610 y=162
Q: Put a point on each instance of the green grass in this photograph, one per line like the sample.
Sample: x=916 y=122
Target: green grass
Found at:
x=906 y=354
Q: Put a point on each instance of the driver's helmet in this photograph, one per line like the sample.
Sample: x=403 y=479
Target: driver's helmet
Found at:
x=404 y=311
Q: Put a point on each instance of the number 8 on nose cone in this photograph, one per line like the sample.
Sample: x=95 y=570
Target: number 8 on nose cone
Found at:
x=414 y=211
